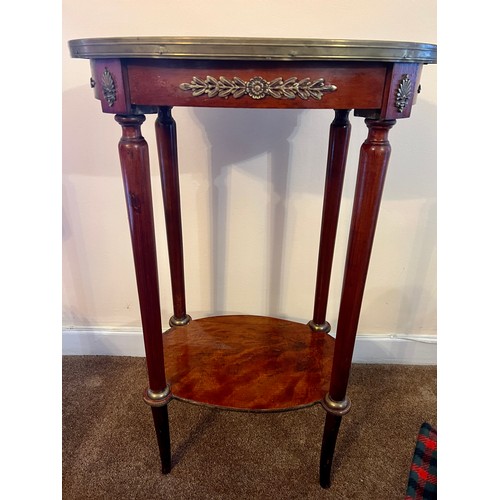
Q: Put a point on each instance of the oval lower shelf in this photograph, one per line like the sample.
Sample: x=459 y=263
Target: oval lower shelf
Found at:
x=248 y=363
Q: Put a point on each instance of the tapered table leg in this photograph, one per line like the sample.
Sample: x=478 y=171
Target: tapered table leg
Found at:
x=330 y=433
x=340 y=131
x=166 y=139
x=134 y=159
x=373 y=161
x=160 y=418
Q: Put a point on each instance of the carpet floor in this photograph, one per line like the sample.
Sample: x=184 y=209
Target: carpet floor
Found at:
x=110 y=452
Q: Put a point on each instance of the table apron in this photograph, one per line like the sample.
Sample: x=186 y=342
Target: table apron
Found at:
x=140 y=83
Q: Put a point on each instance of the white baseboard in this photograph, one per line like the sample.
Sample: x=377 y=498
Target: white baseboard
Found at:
x=396 y=349
x=377 y=349
x=103 y=341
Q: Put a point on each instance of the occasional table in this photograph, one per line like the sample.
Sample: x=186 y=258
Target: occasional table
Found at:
x=237 y=362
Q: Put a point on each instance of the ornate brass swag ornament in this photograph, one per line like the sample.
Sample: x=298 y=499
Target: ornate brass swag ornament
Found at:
x=258 y=88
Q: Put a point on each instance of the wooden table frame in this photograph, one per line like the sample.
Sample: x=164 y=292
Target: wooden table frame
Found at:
x=242 y=354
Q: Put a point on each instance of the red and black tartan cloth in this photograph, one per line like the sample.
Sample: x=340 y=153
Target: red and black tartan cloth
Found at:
x=422 y=483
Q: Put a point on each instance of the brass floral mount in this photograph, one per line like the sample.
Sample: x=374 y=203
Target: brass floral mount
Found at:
x=403 y=93
x=258 y=88
x=108 y=87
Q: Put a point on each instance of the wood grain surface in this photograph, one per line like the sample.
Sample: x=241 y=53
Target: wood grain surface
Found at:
x=157 y=82
x=250 y=363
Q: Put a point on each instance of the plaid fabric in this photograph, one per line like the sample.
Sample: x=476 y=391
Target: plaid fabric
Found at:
x=422 y=483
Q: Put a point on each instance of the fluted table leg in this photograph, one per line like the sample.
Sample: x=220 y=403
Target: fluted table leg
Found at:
x=134 y=159
x=373 y=161
x=166 y=139
x=340 y=131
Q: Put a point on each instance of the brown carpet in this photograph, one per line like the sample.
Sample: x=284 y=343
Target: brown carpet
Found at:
x=110 y=451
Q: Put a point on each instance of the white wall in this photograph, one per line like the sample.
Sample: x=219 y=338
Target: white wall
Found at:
x=251 y=180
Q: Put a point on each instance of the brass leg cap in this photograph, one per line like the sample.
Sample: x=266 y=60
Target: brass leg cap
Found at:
x=325 y=327
x=337 y=408
x=179 y=321
x=157 y=398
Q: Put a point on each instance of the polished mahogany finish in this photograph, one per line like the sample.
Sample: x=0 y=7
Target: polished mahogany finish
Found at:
x=340 y=132
x=166 y=139
x=248 y=363
x=253 y=363
x=373 y=161
x=134 y=159
x=158 y=83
